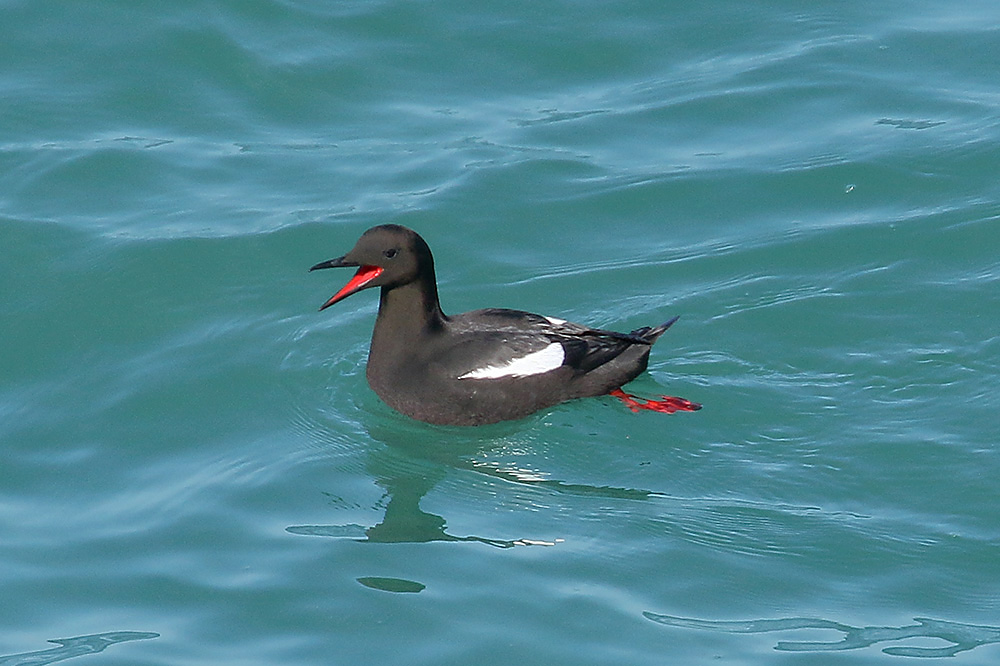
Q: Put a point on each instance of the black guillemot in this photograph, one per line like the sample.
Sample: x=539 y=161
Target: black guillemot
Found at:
x=486 y=365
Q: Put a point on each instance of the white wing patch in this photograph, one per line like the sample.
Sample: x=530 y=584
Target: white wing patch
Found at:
x=535 y=363
x=556 y=321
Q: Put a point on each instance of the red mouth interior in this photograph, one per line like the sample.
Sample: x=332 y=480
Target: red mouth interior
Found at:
x=364 y=275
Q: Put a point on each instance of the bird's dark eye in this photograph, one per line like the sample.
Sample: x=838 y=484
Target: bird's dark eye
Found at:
x=390 y=253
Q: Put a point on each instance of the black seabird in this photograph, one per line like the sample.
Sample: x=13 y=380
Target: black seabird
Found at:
x=486 y=365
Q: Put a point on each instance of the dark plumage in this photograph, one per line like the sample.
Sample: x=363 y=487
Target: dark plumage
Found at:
x=486 y=365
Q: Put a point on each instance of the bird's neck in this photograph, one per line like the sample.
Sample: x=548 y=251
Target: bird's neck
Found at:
x=405 y=314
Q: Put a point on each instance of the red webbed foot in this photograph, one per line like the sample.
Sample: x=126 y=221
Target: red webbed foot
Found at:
x=666 y=404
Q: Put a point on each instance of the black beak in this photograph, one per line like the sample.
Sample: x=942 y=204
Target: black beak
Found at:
x=339 y=262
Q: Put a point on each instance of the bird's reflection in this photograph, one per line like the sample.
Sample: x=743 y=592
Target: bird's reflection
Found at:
x=404 y=521
x=407 y=468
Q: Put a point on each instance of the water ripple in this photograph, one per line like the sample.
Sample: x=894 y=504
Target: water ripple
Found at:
x=962 y=637
x=74 y=647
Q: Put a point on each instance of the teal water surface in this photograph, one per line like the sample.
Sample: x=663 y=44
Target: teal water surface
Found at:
x=194 y=471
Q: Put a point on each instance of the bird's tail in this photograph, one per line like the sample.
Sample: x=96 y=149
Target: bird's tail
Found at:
x=649 y=334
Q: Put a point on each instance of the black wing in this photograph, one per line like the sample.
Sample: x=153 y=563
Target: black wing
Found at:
x=496 y=336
